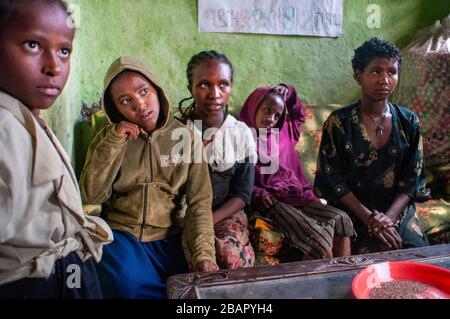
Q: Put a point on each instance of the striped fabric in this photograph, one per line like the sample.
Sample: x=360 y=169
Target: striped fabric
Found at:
x=312 y=227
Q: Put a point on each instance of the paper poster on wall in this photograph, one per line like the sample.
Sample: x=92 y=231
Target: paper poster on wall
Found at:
x=321 y=18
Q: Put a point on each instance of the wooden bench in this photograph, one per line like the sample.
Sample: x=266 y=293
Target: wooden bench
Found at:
x=325 y=278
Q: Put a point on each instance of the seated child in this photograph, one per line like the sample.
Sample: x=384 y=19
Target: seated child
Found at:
x=230 y=151
x=134 y=168
x=47 y=245
x=281 y=190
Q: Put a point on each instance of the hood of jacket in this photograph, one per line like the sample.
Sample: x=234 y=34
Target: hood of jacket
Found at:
x=128 y=63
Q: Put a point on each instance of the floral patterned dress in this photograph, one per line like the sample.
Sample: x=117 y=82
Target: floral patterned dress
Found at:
x=349 y=162
x=231 y=171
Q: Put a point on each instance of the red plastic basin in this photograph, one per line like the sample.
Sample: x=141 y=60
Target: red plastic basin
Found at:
x=436 y=278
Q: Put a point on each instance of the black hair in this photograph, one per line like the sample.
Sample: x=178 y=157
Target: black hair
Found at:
x=375 y=48
x=193 y=62
x=8 y=8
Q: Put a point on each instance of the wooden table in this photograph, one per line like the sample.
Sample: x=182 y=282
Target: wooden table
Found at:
x=326 y=278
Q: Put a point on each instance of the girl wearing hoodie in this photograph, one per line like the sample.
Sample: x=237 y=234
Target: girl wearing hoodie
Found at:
x=282 y=191
x=143 y=180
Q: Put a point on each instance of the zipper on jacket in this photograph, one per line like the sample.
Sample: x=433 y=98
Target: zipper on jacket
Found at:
x=149 y=141
x=145 y=206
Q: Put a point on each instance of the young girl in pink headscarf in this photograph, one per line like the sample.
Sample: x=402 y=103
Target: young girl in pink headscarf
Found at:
x=282 y=192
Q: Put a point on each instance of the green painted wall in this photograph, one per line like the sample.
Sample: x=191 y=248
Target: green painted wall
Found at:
x=164 y=34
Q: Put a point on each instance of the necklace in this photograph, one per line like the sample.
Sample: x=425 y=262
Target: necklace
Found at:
x=379 y=128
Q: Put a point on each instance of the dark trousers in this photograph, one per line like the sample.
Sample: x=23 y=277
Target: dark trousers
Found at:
x=70 y=279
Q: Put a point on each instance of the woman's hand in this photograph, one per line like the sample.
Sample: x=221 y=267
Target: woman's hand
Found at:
x=378 y=222
x=130 y=129
x=205 y=265
x=391 y=238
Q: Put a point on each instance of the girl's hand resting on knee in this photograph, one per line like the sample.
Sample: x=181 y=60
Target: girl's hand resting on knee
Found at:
x=205 y=265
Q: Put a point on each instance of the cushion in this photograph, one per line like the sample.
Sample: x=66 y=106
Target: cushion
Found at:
x=434 y=217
